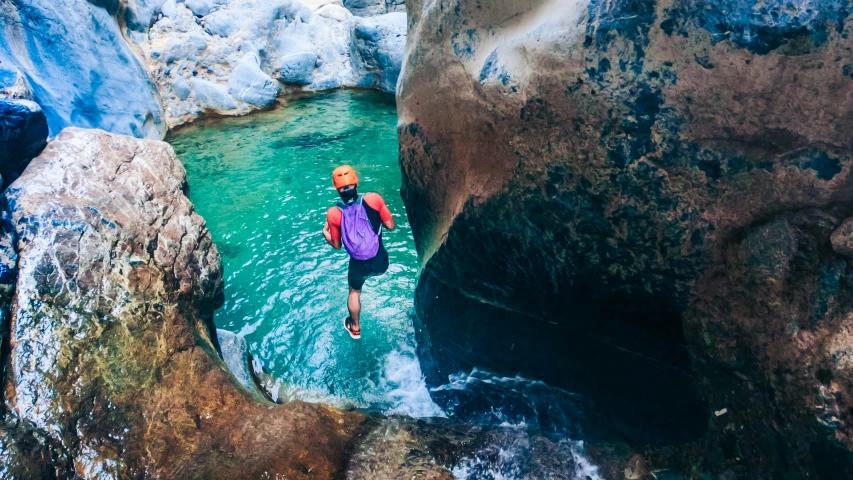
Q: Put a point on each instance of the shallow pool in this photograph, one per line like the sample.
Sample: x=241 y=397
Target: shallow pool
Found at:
x=263 y=183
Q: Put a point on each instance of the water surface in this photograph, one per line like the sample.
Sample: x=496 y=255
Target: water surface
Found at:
x=263 y=184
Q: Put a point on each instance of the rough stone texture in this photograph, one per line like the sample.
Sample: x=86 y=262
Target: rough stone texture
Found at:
x=81 y=70
x=440 y=449
x=368 y=8
x=378 y=44
x=113 y=367
x=636 y=201
x=306 y=47
x=23 y=135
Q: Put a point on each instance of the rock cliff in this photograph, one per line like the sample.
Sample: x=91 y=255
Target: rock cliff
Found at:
x=139 y=67
x=82 y=72
x=644 y=202
x=234 y=57
x=112 y=369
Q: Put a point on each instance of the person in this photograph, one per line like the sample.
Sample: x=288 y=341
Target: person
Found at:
x=356 y=224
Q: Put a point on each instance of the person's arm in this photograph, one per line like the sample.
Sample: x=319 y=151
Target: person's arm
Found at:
x=332 y=231
x=377 y=203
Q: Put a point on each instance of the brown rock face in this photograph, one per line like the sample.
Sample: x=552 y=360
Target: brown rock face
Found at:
x=112 y=368
x=636 y=201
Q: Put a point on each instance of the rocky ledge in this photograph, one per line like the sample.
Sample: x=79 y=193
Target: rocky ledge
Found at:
x=112 y=365
x=647 y=203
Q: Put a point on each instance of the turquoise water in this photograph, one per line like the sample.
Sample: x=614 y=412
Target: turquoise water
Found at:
x=263 y=184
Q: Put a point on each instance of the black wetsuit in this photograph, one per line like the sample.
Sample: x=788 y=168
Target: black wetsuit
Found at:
x=361 y=270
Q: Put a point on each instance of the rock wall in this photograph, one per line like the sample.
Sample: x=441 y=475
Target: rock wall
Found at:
x=112 y=363
x=367 y=8
x=139 y=67
x=644 y=203
x=80 y=68
x=237 y=56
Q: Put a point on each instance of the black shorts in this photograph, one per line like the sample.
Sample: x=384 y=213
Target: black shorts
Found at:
x=361 y=270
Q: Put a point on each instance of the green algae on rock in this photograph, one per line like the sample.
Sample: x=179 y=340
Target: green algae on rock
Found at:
x=113 y=371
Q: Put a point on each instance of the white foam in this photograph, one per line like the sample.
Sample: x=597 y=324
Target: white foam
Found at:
x=402 y=388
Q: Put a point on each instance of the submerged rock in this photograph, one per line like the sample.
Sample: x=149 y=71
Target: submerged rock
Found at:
x=113 y=369
x=636 y=201
x=81 y=69
x=23 y=135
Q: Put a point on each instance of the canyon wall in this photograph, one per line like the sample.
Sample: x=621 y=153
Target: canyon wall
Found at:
x=112 y=368
x=645 y=203
x=139 y=67
x=76 y=64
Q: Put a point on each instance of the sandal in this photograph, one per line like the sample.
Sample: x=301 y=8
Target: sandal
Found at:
x=355 y=334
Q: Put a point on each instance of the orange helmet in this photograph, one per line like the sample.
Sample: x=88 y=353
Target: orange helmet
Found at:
x=343 y=176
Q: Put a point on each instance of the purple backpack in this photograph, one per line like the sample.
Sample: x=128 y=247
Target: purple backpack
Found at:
x=361 y=242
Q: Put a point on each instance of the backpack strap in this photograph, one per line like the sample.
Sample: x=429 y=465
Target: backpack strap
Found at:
x=343 y=206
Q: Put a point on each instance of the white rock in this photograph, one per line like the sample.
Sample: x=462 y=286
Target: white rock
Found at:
x=212 y=96
x=170 y=9
x=335 y=12
x=81 y=69
x=250 y=84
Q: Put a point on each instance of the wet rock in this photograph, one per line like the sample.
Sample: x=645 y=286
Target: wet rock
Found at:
x=23 y=135
x=250 y=84
x=589 y=213
x=398 y=447
x=81 y=69
x=212 y=96
x=113 y=368
x=842 y=238
x=238 y=358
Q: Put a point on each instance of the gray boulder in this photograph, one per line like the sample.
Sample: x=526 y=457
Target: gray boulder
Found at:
x=378 y=44
x=23 y=135
x=297 y=61
x=140 y=14
x=368 y=8
x=201 y=8
x=182 y=88
x=250 y=84
x=81 y=70
x=211 y=95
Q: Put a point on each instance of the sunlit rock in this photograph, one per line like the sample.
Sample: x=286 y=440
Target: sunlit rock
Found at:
x=379 y=43
x=81 y=69
x=367 y=8
x=636 y=201
x=113 y=369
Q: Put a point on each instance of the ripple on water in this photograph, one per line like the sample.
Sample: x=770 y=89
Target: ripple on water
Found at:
x=262 y=184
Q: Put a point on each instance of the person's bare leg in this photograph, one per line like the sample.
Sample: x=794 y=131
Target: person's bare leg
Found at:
x=354 y=305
